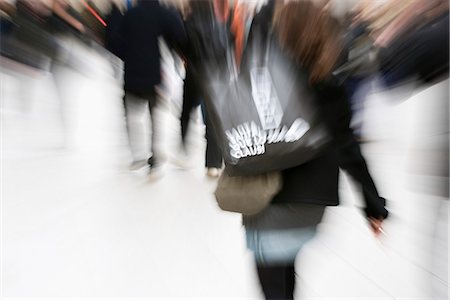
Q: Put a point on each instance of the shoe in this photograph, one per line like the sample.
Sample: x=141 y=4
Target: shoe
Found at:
x=138 y=165
x=181 y=159
x=155 y=167
x=213 y=172
x=155 y=173
x=152 y=162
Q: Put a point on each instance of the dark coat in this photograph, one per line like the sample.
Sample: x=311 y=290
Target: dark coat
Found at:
x=316 y=181
x=140 y=30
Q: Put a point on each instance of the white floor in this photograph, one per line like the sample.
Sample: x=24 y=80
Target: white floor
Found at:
x=76 y=224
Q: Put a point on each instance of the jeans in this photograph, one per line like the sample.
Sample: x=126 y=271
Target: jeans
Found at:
x=277 y=234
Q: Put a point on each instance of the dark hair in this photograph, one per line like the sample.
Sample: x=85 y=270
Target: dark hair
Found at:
x=311 y=36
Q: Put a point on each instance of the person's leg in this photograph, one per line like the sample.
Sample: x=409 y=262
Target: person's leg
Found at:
x=155 y=157
x=191 y=99
x=134 y=110
x=275 y=236
x=213 y=152
x=186 y=110
x=184 y=120
x=277 y=282
x=213 y=157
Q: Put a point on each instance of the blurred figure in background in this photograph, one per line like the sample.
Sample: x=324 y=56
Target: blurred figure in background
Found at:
x=45 y=36
x=414 y=47
x=416 y=43
x=139 y=33
x=68 y=30
x=201 y=48
x=276 y=235
x=411 y=39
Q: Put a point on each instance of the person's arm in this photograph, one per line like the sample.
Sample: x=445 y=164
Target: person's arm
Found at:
x=337 y=115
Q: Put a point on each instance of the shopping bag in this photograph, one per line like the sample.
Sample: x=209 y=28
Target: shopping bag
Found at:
x=264 y=115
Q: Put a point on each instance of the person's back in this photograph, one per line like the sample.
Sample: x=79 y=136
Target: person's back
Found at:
x=208 y=37
x=141 y=28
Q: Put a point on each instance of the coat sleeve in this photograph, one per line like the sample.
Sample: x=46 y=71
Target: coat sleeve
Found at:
x=337 y=115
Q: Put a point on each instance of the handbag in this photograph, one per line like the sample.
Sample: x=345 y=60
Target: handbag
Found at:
x=247 y=195
x=265 y=117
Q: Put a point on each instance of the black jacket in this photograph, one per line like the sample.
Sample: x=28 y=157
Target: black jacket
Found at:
x=316 y=181
x=140 y=30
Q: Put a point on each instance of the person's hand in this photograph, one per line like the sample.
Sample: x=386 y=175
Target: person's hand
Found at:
x=376 y=226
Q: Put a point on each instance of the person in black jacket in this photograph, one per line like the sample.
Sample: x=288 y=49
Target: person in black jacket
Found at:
x=140 y=29
x=276 y=234
x=203 y=46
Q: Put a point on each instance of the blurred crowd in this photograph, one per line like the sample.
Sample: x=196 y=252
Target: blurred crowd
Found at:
x=346 y=48
x=388 y=42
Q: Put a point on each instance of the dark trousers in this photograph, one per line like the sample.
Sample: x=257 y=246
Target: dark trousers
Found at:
x=213 y=157
x=191 y=100
x=277 y=282
x=136 y=104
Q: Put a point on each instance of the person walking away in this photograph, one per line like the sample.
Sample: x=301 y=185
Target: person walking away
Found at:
x=140 y=29
x=280 y=231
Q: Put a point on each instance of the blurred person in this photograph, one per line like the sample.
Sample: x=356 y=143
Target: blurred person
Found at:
x=68 y=60
x=415 y=47
x=276 y=235
x=375 y=23
x=199 y=20
x=140 y=29
x=46 y=37
x=412 y=16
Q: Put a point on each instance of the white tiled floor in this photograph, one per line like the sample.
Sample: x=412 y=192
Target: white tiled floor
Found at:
x=76 y=224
